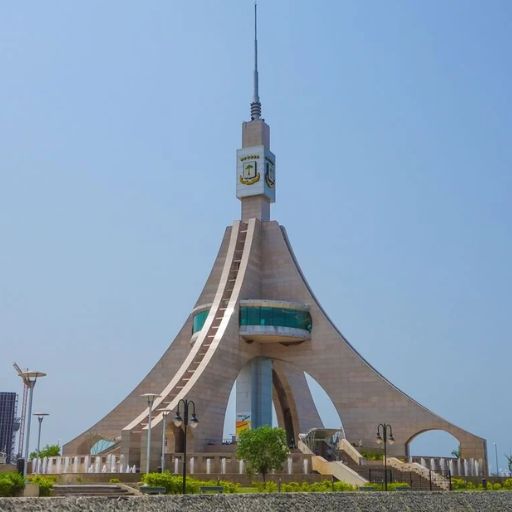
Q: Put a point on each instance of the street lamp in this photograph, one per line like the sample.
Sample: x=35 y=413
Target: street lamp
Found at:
x=385 y=435
x=150 y=398
x=496 y=457
x=179 y=421
x=40 y=417
x=29 y=379
x=165 y=413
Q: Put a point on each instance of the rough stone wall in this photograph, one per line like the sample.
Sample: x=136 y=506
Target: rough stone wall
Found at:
x=312 y=502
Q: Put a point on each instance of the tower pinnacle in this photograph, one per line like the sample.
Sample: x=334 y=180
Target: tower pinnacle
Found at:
x=255 y=171
x=255 y=105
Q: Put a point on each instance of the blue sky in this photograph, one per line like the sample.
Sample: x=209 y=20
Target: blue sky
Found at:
x=391 y=125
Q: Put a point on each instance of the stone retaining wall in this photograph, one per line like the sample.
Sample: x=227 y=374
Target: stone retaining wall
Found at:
x=298 y=502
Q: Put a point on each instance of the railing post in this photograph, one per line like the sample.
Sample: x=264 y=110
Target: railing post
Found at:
x=430 y=478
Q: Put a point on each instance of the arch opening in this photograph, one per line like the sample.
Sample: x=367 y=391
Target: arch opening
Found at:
x=230 y=417
x=433 y=443
x=326 y=409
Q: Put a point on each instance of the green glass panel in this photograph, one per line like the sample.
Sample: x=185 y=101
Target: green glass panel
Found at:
x=281 y=317
x=266 y=316
x=253 y=316
x=243 y=316
x=199 y=320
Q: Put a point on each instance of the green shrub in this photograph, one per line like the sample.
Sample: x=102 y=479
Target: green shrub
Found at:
x=507 y=484
x=265 y=486
x=229 y=487
x=45 y=483
x=371 y=455
x=321 y=486
x=11 y=484
x=343 y=486
x=458 y=483
x=393 y=486
x=291 y=487
x=115 y=481
x=373 y=485
x=173 y=484
x=467 y=485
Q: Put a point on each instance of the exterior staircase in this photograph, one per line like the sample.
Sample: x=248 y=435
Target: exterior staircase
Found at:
x=219 y=315
x=202 y=347
x=334 y=468
x=345 y=463
x=417 y=476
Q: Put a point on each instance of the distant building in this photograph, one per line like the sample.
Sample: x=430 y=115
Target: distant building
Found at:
x=8 y=423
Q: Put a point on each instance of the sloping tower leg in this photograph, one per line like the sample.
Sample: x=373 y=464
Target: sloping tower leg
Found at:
x=361 y=395
x=295 y=407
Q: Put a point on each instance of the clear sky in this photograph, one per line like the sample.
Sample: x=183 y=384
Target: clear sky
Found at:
x=391 y=123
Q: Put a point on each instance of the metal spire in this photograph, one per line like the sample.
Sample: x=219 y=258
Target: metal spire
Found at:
x=255 y=105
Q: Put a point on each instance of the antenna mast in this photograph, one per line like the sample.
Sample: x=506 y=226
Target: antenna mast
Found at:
x=256 y=105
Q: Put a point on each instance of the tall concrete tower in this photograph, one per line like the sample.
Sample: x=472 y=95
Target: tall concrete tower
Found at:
x=257 y=322
x=256 y=189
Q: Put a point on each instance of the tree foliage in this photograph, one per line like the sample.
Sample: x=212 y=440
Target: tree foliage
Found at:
x=50 y=450
x=509 y=462
x=456 y=452
x=263 y=449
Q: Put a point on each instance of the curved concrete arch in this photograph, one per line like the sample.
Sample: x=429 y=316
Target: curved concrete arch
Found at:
x=292 y=393
x=256 y=262
x=425 y=430
x=362 y=396
x=133 y=405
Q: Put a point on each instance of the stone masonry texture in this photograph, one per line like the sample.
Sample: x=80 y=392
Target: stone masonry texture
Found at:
x=298 y=502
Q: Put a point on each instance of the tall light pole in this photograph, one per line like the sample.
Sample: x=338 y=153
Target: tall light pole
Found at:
x=179 y=421
x=165 y=413
x=150 y=398
x=40 y=416
x=496 y=457
x=385 y=435
x=29 y=379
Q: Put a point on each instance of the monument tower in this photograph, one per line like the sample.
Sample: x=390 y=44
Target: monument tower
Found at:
x=257 y=322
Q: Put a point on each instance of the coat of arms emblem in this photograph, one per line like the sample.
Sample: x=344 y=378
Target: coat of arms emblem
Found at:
x=250 y=173
x=270 y=173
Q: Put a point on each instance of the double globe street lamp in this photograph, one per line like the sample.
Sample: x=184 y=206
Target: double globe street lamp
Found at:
x=385 y=435
x=183 y=422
